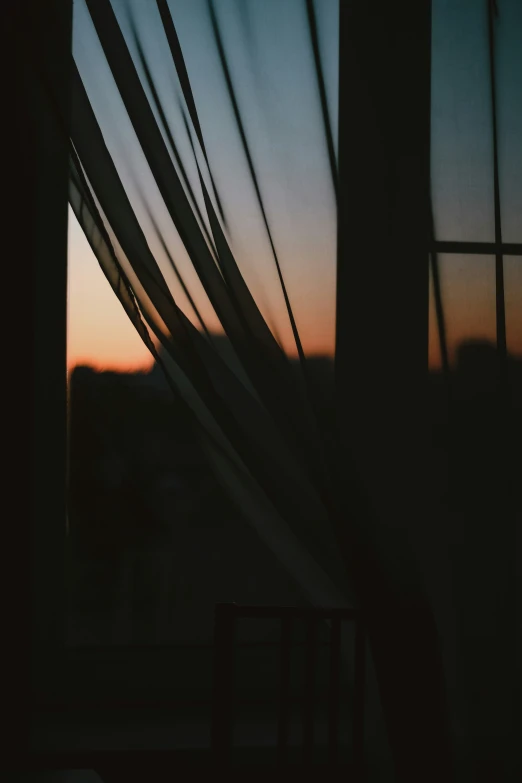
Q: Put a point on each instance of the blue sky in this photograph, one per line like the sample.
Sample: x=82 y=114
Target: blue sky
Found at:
x=271 y=63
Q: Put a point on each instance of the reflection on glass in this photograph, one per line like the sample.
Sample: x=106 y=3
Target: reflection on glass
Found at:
x=461 y=123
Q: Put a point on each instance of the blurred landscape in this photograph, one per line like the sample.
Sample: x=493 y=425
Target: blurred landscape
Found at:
x=152 y=537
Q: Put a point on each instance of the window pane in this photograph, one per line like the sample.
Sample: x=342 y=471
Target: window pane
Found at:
x=461 y=122
x=513 y=289
x=513 y=295
x=508 y=60
x=466 y=467
x=467 y=285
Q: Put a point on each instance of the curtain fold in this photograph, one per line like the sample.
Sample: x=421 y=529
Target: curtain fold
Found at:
x=289 y=548
x=271 y=433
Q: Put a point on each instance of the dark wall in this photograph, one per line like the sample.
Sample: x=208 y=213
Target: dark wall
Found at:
x=37 y=39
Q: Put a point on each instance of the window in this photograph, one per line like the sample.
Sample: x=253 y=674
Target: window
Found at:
x=477 y=249
x=382 y=334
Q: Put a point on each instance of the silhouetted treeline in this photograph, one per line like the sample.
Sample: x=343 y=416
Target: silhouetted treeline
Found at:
x=141 y=489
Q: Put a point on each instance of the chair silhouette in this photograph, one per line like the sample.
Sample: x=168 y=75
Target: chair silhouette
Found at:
x=226 y=619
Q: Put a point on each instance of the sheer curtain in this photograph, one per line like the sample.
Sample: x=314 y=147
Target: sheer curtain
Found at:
x=204 y=173
x=214 y=258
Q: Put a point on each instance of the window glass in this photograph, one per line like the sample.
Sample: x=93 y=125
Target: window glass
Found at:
x=461 y=123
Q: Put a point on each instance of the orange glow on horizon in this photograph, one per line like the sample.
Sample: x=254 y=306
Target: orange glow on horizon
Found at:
x=109 y=365
x=101 y=336
x=132 y=358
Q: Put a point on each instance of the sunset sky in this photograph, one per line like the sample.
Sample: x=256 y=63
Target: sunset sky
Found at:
x=273 y=75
